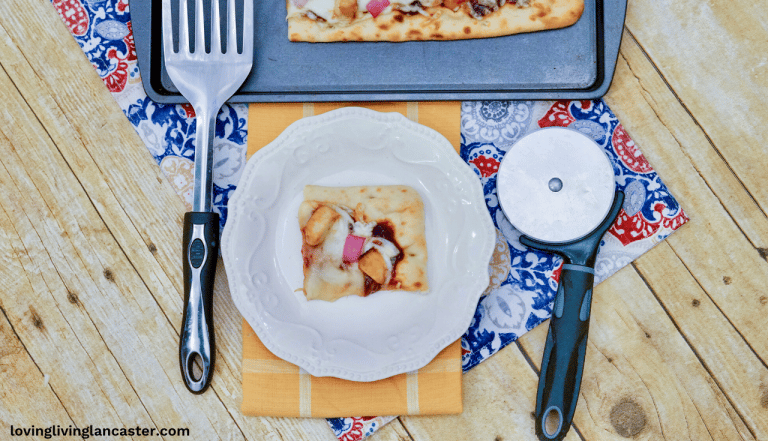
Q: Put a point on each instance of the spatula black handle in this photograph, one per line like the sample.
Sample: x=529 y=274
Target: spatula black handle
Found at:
x=563 y=361
x=201 y=251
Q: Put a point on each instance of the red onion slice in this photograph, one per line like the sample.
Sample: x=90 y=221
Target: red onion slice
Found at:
x=375 y=7
x=299 y=3
x=353 y=248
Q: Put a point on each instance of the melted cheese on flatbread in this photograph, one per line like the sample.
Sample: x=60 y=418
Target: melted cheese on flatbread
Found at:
x=362 y=212
x=435 y=23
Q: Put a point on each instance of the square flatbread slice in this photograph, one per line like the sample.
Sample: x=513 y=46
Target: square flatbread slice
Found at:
x=359 y=240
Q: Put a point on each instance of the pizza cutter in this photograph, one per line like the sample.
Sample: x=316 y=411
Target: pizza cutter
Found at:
x=557 y=187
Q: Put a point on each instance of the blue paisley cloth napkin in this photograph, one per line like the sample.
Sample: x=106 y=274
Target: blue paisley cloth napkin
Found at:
x=523 y=281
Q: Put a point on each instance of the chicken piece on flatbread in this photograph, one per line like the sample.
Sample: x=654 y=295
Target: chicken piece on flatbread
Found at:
x=359 y=240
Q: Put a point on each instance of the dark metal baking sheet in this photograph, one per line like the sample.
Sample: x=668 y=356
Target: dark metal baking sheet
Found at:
x=571 y=63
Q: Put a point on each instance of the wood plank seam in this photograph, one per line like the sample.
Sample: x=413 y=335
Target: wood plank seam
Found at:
x=576 y=429
x=90 y=199
x=75 y=175
x=653 y=400
x=725 y=316
x=223 y=363
x=117 y=362
x=671 y=132
x=95 y=363
x=229 y=412
x=63 y=114
x=693 y=349
x=618 y=371
x=104 y=221
x=141 y=277
x=22 y=244
x=724 y=169
x=688 y=111
x=528 y=356
x=410 y=437
x=700 y=416
x=537 y=371
x=52 y=261
x=106 y=225
x=63 y=315
x=701 y=129
x=585 y=403
x=114 y=357
x=10 y=325
x=683 y=390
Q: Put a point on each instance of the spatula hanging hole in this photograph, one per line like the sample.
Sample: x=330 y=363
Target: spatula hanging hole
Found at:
x=195 y=367
x=555 y=184
x=552 y=422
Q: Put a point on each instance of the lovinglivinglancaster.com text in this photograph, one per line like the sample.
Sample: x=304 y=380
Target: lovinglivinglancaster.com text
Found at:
x=56 y=431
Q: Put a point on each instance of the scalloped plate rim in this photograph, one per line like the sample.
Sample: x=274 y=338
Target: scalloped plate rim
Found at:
x=426 y=354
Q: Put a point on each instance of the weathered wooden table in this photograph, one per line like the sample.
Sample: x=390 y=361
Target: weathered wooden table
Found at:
x=91 y=289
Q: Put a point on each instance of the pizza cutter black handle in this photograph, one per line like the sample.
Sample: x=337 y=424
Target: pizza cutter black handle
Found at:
x=563 y=361
x=201 y=251
x=562 y=364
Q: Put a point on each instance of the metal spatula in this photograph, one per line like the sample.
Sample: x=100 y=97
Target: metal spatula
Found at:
x=207 y=80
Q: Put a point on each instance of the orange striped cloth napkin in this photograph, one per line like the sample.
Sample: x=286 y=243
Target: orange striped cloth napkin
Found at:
x=275 y=387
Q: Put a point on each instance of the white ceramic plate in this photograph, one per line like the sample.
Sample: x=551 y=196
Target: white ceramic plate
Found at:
x=388 y=332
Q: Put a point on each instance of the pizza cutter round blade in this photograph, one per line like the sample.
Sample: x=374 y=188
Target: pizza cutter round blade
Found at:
x=557 y=187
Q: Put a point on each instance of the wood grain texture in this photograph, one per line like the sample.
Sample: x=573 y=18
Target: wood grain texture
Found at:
x=637 y=363
x=108 y=341
x=97 y=194
x=90 y=247
x=499 y=398
x=18 y=372
x=713 y=261
x=714 y=55
x=713 y=246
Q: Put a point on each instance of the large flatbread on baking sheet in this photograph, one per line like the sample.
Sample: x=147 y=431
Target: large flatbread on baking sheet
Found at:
x=441 y=23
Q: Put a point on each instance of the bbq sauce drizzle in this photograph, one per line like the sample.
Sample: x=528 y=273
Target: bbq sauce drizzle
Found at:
x=384 y=230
